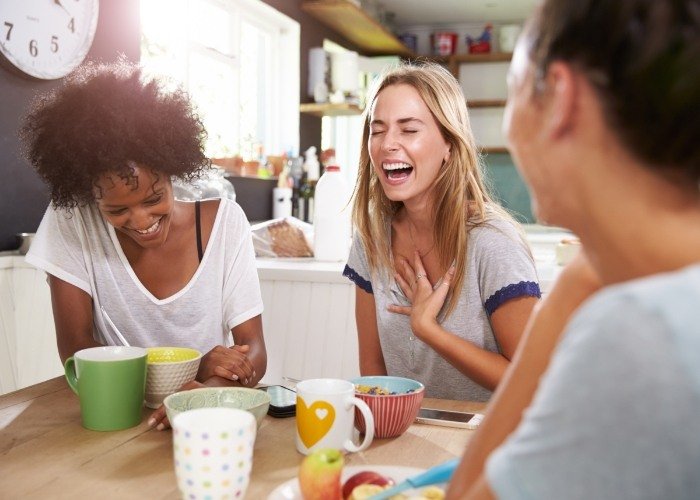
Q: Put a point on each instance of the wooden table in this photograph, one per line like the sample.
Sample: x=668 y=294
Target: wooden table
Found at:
x=46 y=453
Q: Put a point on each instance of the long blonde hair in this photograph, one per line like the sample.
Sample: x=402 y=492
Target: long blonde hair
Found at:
x=460 y=198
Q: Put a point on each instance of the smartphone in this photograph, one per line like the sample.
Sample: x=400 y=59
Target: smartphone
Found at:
x=449 y=418
x=283 y=401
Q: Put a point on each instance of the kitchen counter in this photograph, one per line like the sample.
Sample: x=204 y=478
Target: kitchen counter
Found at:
x=300 y=269
x=542 y=240
x=28 y=352
x=309 y=317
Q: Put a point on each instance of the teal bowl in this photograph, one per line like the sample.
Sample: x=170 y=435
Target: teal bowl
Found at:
x=394 y=412
x=241 y=398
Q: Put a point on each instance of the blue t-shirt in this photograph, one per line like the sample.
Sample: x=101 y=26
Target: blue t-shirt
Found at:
x=617 y=414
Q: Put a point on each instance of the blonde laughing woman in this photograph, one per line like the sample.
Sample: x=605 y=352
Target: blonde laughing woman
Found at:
x=445 y=281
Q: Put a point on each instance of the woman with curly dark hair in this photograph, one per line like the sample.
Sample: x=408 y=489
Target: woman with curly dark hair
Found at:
x=115 y=242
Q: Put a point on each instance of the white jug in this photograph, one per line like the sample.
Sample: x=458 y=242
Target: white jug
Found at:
x=332 y=217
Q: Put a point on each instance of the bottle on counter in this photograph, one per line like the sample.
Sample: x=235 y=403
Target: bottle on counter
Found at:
x=308 y=184
x=332 y=217
x=296 y=172
x=303 y=194
x=282 y=196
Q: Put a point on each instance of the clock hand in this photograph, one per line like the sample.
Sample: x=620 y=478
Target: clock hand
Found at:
x=58 y=2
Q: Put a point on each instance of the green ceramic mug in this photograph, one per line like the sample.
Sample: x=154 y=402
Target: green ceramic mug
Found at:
x=110 y=383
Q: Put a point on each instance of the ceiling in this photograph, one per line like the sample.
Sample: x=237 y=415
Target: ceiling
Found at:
x=414 y=12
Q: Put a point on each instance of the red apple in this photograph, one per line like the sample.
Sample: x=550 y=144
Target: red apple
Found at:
x=319 y=475
x=365 y=477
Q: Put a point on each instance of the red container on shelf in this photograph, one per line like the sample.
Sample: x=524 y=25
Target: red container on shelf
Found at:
x=444 y=43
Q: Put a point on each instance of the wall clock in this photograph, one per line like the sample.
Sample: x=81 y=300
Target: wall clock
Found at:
x=47 y=39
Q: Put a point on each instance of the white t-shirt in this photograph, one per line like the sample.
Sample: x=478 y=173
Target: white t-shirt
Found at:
x=81 y=248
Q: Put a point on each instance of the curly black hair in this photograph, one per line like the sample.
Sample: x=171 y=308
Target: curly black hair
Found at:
x=105 y=118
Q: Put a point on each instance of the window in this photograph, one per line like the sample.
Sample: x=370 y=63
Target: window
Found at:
x=239 y=60
x=344 y=133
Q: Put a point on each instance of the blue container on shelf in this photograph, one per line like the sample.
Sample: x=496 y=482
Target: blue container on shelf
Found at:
x=409 y=40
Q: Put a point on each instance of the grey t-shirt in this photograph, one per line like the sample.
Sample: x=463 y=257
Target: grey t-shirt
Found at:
x=617 y=414
x=82 y=249
x=499 y=268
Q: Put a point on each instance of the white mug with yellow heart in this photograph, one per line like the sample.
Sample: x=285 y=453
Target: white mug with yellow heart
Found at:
x=326 y=416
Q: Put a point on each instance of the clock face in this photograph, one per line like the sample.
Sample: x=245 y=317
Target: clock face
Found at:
x=47 y=38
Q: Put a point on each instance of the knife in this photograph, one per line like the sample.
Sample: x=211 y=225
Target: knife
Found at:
x=435 y=475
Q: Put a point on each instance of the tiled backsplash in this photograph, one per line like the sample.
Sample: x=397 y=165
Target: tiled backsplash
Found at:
x=507 y=186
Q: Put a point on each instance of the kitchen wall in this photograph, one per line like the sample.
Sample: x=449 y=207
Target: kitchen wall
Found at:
x=508 y=187
x=23 y=198
x=501 y=175
x=256 y=200
x=312 y=35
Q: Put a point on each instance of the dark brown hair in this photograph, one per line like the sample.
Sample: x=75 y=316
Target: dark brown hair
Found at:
x=643 y=58
x=105 y=118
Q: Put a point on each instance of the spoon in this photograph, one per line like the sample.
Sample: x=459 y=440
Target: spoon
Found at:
x=439 y=474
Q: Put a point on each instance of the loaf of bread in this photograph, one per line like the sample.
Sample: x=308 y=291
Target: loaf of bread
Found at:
x=288 y=240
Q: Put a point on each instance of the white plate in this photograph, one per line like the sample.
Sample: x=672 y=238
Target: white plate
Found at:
x=289 y=490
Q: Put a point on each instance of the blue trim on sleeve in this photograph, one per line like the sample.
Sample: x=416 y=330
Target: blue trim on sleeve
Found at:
x=349 y=272
x=512 y=291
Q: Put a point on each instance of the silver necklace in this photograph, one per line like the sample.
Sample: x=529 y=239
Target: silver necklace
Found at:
x=413 y=242
x=411 y=336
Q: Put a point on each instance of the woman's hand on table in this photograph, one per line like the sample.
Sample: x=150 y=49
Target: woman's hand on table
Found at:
x=159 y=418
x=426 y=300
x=230 y=363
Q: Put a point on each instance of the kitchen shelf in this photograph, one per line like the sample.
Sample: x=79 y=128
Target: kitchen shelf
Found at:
x=457 y=59
x=357 y=26
x=486 y=103
x=445 y=60
x=329 y=109
x=494 y=150
x=478 y=58
x=452 y=62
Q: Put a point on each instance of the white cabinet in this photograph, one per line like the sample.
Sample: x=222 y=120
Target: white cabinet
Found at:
x=28 y=351
x=309 y=320
x=8 y=349
x=309 y=317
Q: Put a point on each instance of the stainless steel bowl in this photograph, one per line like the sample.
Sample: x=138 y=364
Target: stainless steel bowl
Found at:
x=24 y=240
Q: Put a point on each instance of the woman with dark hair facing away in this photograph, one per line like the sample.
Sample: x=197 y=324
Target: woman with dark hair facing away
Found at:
x=445 y=280
x=108 y=143
x=602 y=120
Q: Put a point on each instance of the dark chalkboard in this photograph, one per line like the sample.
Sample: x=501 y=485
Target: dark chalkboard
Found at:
x=23 y=196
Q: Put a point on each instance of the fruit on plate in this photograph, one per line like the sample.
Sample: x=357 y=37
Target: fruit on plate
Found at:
x=319 y=475
x=433 y=493
x=365 y=477
x=365 y=491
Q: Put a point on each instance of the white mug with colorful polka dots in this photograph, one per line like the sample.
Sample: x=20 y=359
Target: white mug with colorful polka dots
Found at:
x=213 y=450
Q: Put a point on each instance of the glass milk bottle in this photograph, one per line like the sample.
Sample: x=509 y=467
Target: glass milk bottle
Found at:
x=332 y=216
